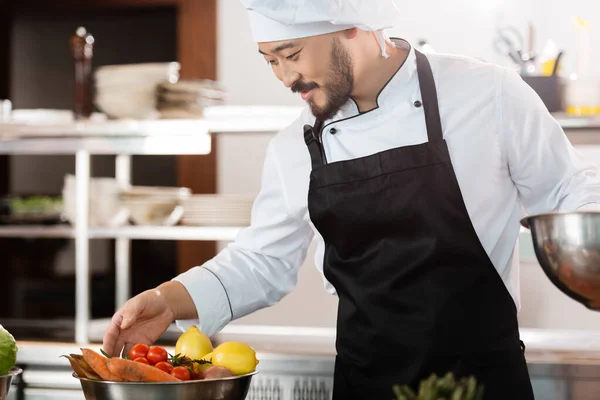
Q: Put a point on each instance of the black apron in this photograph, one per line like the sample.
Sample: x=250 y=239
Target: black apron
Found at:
x=417 y=292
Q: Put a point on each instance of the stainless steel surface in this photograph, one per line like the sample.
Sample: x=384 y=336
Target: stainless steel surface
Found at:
x=6 y=380
x=567 y=246
x=235 y=388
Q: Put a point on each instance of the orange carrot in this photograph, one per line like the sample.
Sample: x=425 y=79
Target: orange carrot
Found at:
x=132 y=371
x=87 y=370
x=99 y=364
x=77 y=368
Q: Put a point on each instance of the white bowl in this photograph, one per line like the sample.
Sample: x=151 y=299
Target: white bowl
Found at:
x=105 y=208
x=154 y=212
x=138 y=105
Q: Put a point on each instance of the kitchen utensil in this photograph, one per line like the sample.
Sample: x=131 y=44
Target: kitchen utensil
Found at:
x=567 y=246
x=6 y=380
x=509 y=42
x=557 y=63
x=82 y=48
x=235 y=388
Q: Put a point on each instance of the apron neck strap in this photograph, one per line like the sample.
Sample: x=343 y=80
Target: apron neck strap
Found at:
x=312 y=138
x=429 y=98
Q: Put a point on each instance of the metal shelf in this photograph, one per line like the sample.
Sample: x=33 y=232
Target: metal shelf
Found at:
x=124 y=138
x=166 y=233
x=35 y=231
x=211 y=233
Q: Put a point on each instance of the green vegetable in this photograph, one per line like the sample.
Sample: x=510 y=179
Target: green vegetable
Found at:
x=8 y=351
x=442 y=388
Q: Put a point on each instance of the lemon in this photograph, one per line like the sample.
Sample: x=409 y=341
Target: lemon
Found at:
x=200 y=368
x=238 y=357
x=193 y=344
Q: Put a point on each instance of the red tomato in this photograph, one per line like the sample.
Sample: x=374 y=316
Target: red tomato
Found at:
x=165 y=366
x=194 y=376
x=181 y=373
x=139 y=350
x=143 y=360
x=157 y=354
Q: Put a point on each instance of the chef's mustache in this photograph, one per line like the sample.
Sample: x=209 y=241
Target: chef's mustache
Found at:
x=303 y=86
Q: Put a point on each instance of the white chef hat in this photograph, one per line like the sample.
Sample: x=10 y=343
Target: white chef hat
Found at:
x=275 y=20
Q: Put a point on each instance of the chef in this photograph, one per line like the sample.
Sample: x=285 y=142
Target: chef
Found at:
x=412 y=172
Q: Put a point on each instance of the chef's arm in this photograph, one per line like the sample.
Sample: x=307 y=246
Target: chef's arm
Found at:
x=550 y=175
x=257 y=269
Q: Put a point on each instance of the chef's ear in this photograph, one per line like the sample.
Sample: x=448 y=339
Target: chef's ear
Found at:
x=350 y=33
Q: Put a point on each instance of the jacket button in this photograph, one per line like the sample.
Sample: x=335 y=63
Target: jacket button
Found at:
x=333 y=131
x=418 y=104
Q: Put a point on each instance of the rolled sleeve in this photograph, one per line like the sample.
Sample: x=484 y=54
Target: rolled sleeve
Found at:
x=259 y=267
x=210 y=298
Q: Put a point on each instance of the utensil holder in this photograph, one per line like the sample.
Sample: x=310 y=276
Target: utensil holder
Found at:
x=551 y=89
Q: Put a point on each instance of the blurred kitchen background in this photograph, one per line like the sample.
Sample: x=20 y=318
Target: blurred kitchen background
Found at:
x=211 y=39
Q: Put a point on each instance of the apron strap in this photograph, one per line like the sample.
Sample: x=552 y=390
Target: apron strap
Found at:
x=429 y=98
x=312 y=138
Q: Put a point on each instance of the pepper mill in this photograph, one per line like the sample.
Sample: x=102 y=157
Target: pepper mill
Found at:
x=82 y=48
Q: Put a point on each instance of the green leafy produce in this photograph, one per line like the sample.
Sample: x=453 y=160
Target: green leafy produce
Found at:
x=8 y=351
x=442 y=388
x=36 y=205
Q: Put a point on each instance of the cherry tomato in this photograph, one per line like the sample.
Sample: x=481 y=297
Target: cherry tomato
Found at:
x=157 y=354
x=181 y=373
x=142 y=360
x=165 y=366
x=194 y=376
x=139 y=350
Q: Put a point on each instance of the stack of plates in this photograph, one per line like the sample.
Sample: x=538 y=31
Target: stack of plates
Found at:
x=217 y=210
x=187 y=98
x=128 y=91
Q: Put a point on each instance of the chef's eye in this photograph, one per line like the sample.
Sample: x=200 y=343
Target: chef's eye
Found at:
x=271 y=62
x=293 y=57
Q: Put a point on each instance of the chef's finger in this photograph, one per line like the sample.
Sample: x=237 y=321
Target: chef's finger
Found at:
x=131 y=310
x=112 y=334
x=127 y=348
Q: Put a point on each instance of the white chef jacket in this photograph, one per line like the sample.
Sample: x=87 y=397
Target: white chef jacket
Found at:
x=509 y=156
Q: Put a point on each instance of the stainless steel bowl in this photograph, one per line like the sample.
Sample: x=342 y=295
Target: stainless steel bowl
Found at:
x=6 y=380
x=567 y=246
x=235 y=388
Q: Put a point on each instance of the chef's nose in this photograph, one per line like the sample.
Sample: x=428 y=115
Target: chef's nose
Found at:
x=289 y=77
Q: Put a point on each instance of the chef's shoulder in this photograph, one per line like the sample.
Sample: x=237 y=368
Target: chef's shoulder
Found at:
x=469 y=80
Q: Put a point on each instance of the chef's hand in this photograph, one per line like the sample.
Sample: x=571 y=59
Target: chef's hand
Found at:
x=145 y=317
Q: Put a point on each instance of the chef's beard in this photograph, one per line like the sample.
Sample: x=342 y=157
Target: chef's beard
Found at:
x=338 y=84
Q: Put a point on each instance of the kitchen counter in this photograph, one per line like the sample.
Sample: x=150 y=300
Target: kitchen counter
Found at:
x=297 y=363
x=273 y=343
